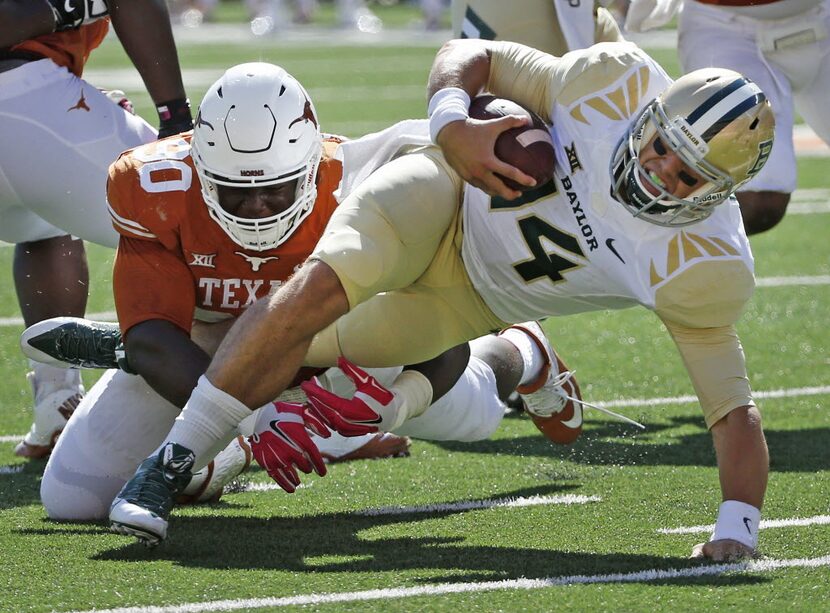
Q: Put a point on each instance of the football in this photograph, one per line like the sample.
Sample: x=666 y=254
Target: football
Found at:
x=528 y=148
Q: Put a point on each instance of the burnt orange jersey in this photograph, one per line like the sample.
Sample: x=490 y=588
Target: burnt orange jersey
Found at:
x=70 y=48
x=173 y=260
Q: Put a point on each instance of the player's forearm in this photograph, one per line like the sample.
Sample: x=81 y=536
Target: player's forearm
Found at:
x=143 y=27
x=167 y=358
x=24 y=19
x=460 y=63
x=743 y=459
x=267 y=344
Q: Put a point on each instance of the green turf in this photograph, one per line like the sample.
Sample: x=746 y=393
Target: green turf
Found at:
x=269 y=544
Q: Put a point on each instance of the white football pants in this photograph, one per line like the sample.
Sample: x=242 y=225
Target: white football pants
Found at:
x=60 y=134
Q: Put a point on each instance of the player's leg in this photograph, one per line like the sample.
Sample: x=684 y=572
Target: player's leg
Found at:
x=116 y=426
x=521 y=357
x=51 y=279
x=118 y=423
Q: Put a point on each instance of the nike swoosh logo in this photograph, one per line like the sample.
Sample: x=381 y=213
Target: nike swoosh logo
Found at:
x=576 y=420
x=609 y=242
x=67 y=6
x=748 y=525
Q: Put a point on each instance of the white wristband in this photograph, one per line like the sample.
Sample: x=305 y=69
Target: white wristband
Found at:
x=447 y=105
x=737 y=521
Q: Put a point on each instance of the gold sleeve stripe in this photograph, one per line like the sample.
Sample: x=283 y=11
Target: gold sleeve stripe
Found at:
x=690 y=250
x=601 y=105
x=576 y=113
x=686 y=247
x=673 y=259
x=654 y=277
x=707 y=245
x=620 y=103
x=726 y=246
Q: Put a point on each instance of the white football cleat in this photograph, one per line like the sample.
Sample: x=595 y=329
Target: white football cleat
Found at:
x=55 y=399
x=553 y=400
x=74 y=342
x=143 y=505
x=131 y=519
x=208 y=484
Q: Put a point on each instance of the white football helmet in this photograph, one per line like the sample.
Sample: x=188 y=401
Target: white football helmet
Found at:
x=257 y=127
x=718 y=122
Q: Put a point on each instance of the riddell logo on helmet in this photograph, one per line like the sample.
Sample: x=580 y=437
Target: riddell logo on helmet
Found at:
x=252 y=173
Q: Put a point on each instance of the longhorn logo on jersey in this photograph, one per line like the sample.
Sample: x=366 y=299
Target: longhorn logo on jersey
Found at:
x=255 y=261
x=81 y=105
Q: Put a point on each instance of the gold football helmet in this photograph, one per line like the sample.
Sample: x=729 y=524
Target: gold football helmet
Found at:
x=719 y=123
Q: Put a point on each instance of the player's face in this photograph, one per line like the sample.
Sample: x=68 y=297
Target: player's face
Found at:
x=257 y=202
x=665 y=168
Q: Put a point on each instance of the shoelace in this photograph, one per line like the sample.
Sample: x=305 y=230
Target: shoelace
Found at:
x=154 y=491
x=73 y=346
x=561 y=398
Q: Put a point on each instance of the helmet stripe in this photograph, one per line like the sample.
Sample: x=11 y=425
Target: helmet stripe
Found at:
x=732 y=116
x=726 y=109
x=706 y=106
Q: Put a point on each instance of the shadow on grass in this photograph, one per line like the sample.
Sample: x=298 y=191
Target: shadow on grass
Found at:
x=22 y=488
x=614 y=443
x=334 y=543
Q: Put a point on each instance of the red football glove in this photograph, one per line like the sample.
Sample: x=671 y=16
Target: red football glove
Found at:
x=280 y=444
x=361 y=414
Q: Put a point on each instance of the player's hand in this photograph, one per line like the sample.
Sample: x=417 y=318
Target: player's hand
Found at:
x=469 y=147
x=72 y=14
x=722 y=550
x=281 y=444
x=367 y=411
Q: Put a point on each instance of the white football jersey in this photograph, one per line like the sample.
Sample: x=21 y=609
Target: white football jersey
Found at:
x=569 y=247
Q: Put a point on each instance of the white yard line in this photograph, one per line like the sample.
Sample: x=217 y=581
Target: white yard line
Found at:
x=816 y=520
x=789 y=281
x=650 y=402
x=654 y=574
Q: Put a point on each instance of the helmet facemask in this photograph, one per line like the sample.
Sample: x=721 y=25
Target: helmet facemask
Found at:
x=256 y=127
x=738 y=124
x=266 y=232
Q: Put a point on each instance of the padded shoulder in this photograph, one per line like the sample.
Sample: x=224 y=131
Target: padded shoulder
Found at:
x=148 y=190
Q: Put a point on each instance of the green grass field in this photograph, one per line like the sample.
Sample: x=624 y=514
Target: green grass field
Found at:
x=452 y=539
